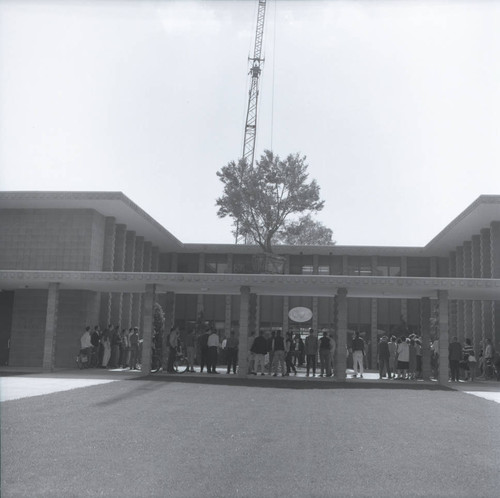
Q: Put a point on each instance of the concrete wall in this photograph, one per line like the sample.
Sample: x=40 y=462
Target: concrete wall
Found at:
x=28 y=327
x=51 y=239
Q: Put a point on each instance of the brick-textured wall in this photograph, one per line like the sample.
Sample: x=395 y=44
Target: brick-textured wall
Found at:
x=51 y=239
x=28 y=328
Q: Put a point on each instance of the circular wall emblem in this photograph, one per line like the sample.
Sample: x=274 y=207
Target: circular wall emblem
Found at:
x=300 y=314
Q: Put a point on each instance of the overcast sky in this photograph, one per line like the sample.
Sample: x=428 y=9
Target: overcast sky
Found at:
x=394 y=103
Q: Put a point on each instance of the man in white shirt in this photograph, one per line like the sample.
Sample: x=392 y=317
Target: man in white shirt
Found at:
x=213 y=346
x=85 y=340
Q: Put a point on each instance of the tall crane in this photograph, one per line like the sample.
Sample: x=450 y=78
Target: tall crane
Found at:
x=257 y=63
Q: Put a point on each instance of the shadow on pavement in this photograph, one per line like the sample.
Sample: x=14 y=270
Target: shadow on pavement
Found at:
x=311 y=383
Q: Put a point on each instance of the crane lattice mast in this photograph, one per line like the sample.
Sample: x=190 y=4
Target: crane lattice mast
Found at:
x=257 y=63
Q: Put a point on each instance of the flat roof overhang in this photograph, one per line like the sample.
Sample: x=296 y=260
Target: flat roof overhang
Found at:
x=114 y=204
x=273 y=285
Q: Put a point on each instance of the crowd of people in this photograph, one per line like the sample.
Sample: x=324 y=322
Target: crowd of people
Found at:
x=112 y=347
x=273 y=353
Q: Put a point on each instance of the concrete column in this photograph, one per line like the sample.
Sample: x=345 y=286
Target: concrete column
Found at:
x=147 y=328
x=286 y=309
x=425 y=332
x=105 y=309
x=452 y=264
x=155 y=258
x=443 y=337
x=286 y=268
x=476 y=324
x=404 y=266
x=227 y=315
x=434 y=267
x=253 y=314
x=169 y=311
x=315 y=264
x=109 y=244
x=373 y=333
x=243 y=331
x=146 y=261
x=174 y=262
x=460 y=329
x=476 y=257
x=340 y=353
x=495 y=273
x=485 y=248
x=467 y=259
x=201 y=262
x=315 y=318
x=49 y=343
x=345 y=265
x=115 y=306
x=120 y=242
x=135 y=300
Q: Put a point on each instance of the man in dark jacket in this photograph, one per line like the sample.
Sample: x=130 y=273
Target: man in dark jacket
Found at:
x=259 y=349
x=383 y=357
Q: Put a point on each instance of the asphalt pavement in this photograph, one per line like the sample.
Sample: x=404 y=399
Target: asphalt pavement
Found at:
x=161 y=437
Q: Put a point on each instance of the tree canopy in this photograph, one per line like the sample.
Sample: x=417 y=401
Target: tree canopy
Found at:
x=262 y=200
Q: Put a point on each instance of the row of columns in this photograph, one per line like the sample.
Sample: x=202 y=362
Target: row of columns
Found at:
x=248 y=324
x=476 y=258
x=124 y=251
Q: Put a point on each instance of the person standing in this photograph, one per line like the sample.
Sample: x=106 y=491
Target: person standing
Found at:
x=403 y=353
x=213 y=347
x=289 y=354
x=358 y=352
x=232 y=344
x=259 y=349
x=383 y=358
x=299 y=350
x=324 y=355
x=392 y=346
x=488 y=360
x=126 y=348
x=470 y=359
x=116 y=340
x=173 y=344
x=106 y=346
x=190 y=350
x=454 y=357
x=278 y=349
x=311 y=352
x=86 y=342
x=95 y=339
x=203 y=345
x=134 y=348
x=333 y=348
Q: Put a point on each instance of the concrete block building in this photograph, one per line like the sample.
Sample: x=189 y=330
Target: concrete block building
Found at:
x=71 y=259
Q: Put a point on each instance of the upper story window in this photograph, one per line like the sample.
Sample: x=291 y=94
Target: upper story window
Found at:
x=418 y=267
x=323 y=270
x=187 y=263
x=301 y=265
x=216 y=263
x=330 y=265
x=359 y=265
x=388 y=267
x=242 y=263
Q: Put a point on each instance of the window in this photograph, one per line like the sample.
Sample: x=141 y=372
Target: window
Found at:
x=242 y=263
x=361 y=266
x=323 y=270
x=187 y=263
x=215 y=263
x=418 y=267
x=388 y=267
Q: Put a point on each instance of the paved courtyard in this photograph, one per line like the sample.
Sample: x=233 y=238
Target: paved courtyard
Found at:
x=127 y=436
